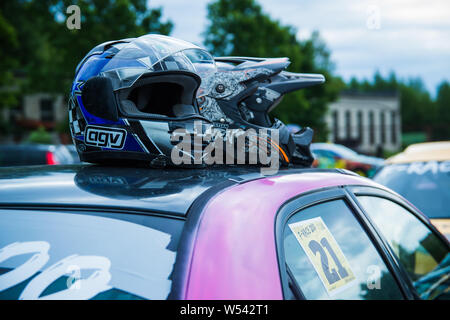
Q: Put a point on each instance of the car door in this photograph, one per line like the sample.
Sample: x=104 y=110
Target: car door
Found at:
x=327 y=249
x=422 y=252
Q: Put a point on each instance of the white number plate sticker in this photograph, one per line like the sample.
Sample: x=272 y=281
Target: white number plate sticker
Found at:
x=325 y=254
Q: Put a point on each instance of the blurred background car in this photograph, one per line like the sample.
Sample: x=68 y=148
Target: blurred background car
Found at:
x=421 y=174
x=329 y=155
x=34 y=154
x=73 y=151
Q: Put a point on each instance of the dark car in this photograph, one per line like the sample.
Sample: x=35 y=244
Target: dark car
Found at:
x=33 y=154
x=92 y=232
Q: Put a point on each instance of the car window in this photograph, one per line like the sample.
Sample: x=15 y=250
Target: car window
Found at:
x=56 y=255
x=422 y=253
x=425 y=184
x=345 y=152
x=324 y=153
x=330 y=154
x=318 y=153
x=331 y=257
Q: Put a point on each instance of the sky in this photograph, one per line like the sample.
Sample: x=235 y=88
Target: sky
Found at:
x=410 y=37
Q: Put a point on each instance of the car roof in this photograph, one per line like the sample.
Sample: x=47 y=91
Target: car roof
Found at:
x=429 y=151
x=160 y=191
x=330 y=146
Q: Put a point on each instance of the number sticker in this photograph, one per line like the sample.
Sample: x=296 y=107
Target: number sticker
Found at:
x=324 y=253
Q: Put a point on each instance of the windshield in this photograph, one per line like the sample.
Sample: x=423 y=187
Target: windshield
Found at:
x=425 y=184
x=152 y=53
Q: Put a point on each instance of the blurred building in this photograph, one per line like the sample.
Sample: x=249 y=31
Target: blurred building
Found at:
x=34 y=111
x=367 y=122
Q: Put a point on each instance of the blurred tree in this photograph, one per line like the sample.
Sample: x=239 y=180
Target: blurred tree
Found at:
x=241 y=28
x=8 y=85
x=417 y=107
x=442 y=131
x=40 y=136
x=49 y=52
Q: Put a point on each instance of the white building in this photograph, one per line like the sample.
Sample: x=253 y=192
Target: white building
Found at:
x=366 y=122
x=35 y=110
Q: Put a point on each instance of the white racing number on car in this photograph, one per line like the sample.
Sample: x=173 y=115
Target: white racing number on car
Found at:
x=422 y=168
x=80 y=289
x=27 y=269
x=44 y=256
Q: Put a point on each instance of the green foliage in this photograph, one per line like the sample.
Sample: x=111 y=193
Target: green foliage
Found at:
x=8 y=38
x=442 y=127
x=40 y=136
x=48 y=52
x=241 y=28
x=63 y=126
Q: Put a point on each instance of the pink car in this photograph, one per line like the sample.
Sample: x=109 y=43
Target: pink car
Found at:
x=217 y=233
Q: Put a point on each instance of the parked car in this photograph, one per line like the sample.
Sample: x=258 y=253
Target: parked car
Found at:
x=33 y=154
x=74 y=153
x=329 y=155
x=422 y=175
x=215 y=233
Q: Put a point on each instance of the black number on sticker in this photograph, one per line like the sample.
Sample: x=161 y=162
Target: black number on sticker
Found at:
x=341 y=270
x=331 y=275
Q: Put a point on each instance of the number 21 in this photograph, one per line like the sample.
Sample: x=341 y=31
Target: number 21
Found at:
x=331 y=275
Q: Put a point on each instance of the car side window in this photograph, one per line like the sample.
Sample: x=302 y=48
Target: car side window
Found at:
x=330 y=256
x=106 y=256
x=424 y=256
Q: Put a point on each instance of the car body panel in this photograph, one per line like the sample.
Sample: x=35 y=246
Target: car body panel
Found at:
x=422 y=152
x=155 y=190
x=235 y=236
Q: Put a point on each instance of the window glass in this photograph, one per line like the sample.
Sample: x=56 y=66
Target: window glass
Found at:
x=81 y=256
x=383 y=127
x=348 y=124
x=393 y=128
x=360 y=127
x=424 y=256
x=335 y=125
x=425 y=184
x=47 y=110
x=371 y=128
x=331 y=256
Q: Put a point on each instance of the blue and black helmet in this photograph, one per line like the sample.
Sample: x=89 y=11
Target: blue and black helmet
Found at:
x=129 y=95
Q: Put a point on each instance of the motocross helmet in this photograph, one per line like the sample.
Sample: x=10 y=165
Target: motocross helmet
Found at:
x=243 y=92
x=129 y=95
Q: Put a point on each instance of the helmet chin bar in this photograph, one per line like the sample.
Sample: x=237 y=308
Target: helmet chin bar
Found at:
x=242 y=96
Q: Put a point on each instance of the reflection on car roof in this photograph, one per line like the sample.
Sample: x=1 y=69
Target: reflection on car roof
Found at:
x=89 y=187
